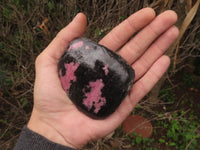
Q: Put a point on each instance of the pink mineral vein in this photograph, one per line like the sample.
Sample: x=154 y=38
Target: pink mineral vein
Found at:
x=69 y=75
x=94 y=97
x=105 y=68
x=87 y=47
x=75 y=45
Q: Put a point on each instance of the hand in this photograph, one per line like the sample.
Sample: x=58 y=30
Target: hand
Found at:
x=54 y=115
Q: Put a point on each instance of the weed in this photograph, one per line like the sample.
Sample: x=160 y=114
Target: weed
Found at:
x=161 y=140
x=180 y=132
x=173 y=129
x=121 y=18
x=51 y=5
x=99 y=33
x=142 y=142
x=5 y=80
x=24 y=102
x=167 y=94
x=190 y=80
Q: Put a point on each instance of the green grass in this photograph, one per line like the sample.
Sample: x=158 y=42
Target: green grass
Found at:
x=142 y=142
x=167 y=94
x=181 y=132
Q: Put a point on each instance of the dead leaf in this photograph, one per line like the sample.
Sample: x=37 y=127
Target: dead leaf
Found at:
x=114 y=143
x=110 y=135
x=15 y=93
x=44 y=27
x=188 y=19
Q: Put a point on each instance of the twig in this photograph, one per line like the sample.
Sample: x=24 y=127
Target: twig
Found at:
x=8 y=103
x=186 y=148
x=14 y=137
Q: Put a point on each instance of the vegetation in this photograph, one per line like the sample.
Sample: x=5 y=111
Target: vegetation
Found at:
x=28 y=26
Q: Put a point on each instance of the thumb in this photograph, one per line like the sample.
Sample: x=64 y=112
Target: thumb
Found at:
x=46 y=63
x=59 y=44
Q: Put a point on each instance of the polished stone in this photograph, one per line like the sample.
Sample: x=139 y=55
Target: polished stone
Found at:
x=95 y=78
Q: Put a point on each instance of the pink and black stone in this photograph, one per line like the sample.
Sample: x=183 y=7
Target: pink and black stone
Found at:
x=95 y=78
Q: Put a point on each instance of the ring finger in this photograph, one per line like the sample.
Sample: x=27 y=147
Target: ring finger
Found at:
x=138 y=44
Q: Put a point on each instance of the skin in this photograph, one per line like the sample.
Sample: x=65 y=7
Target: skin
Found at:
x=56 y=118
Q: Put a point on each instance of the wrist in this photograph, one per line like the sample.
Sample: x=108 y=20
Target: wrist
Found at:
x=40 y=126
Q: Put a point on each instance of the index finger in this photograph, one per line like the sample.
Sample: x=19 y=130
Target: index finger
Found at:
x=123 y=32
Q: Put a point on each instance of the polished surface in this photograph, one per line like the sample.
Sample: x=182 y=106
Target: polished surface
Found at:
x=95 y=79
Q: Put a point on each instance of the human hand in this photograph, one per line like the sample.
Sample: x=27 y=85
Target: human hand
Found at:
x=55 y=117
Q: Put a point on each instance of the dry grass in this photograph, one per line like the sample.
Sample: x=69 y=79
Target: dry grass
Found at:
x=28 y=26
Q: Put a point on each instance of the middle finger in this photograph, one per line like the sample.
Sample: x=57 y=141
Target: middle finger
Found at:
x=138 y=44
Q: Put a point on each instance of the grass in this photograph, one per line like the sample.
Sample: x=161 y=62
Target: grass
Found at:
x=22 y=39
x=181 y=132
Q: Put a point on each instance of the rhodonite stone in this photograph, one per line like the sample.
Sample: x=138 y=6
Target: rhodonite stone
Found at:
x=95 y=78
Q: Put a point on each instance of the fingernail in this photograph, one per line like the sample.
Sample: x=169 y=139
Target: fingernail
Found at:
x=76 y=16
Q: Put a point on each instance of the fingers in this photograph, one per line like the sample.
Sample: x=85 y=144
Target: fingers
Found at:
x=146 y=83
x=123 y=32
x=155 y=51
x=138 y=45
x=140 y=89
x=74 y=30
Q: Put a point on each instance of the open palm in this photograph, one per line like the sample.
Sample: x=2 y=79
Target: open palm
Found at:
x=55 y=116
